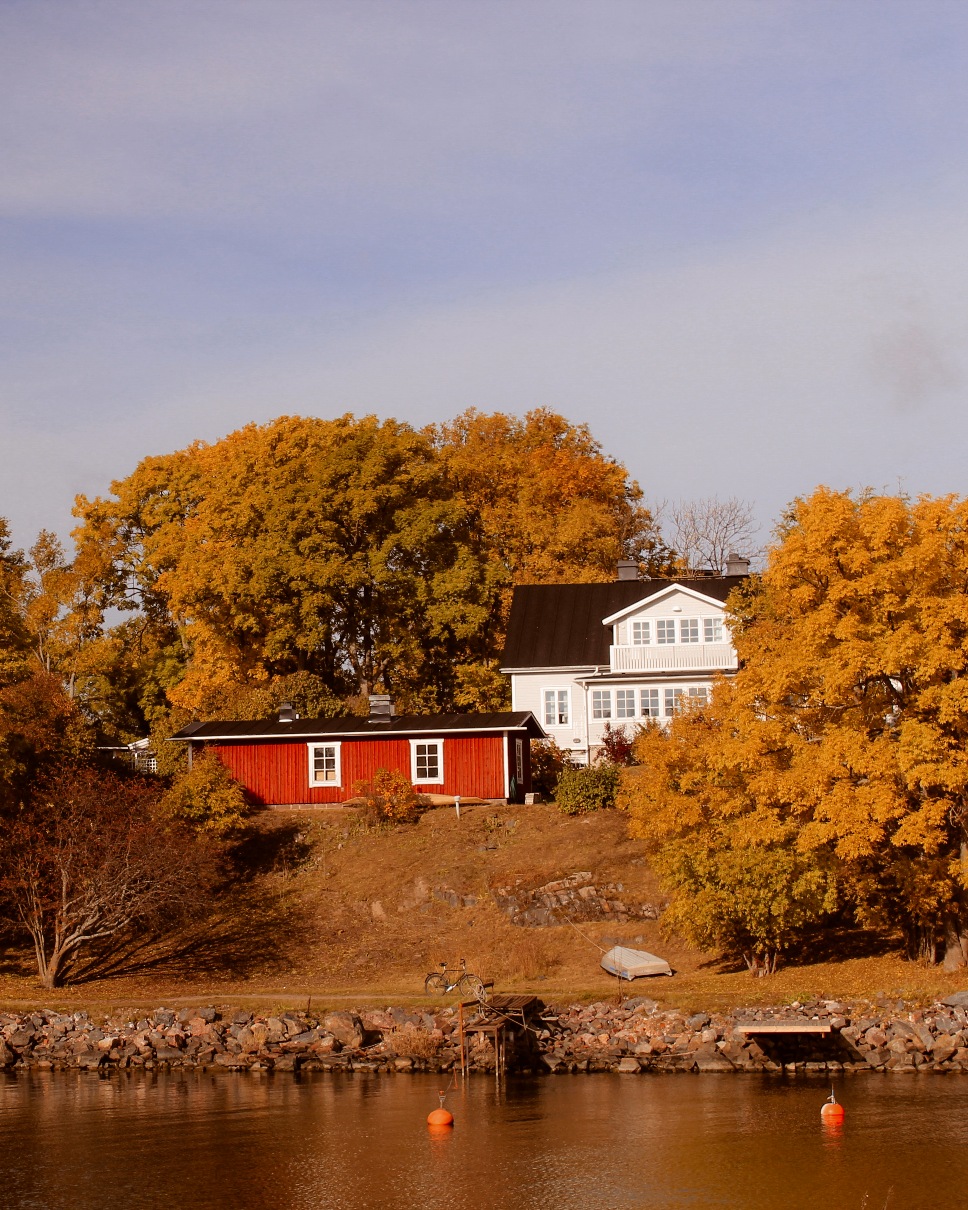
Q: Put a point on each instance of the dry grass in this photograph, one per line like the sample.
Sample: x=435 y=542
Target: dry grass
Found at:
x=413 y=1043
x=326 y=908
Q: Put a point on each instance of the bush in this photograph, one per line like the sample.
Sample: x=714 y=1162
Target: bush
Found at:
x=617 y=748
x=207 y=797
x=547 y=763
x=389 y=798
x=591 y=789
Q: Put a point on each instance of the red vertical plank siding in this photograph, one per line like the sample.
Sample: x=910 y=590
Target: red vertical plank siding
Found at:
x=276 y=773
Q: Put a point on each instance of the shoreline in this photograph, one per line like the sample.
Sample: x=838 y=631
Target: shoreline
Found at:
x=635 y=1038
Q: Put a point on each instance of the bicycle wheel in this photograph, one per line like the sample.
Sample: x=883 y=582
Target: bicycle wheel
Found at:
x=471 y=985
x=435 y=984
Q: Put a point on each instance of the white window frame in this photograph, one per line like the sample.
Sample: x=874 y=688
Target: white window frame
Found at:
x=646 y=711
x=311 y=749
x=693 y=630
x=557 y=691
x=710 y=627
x=635 y=696
x=427 y=781
x=604 y=701
x=699 y=693
x=670 y=632
x=640 y=632
x=670 y=700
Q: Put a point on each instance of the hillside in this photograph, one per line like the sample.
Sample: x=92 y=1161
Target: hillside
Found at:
x=322 y=906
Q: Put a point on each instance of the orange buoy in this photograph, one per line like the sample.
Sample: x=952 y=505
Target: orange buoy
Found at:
x=832 y=1111
x=440 y=1117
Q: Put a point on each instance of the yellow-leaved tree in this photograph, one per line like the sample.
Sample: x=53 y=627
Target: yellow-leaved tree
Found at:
x=832 y=769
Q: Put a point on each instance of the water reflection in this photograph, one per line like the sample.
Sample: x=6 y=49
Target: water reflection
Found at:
x=258 y=1142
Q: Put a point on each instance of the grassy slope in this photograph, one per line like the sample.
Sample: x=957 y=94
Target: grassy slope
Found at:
x=329 y=909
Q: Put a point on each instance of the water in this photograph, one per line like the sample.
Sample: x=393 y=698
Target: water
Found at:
x=325 y=1142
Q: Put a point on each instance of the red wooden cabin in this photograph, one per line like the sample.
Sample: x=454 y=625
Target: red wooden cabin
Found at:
x=290 y=760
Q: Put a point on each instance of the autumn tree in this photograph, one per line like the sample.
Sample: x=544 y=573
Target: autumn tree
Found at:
x=361 y=553
x=88 y=859
x=14 y=635
x=841 y=741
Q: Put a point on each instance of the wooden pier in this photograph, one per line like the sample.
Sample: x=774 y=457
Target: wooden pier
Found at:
x=504 y=1020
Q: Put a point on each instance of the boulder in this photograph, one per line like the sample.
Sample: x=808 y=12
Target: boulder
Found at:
x=629 y=1066
x=7 y=1056
x=346 y=1027
x=956 y=1000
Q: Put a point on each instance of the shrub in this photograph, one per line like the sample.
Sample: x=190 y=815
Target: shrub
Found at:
x=547 y=763
x=207 y=797
x=618 y=748
x=389 y=798
x=590 y=789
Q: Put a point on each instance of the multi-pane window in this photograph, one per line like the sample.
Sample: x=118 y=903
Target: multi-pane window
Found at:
x=700 y=694
x=650 y=703
x=625 y=703
x=426 y=761
x=324 y=764
x=556 y=707
x=665 y=630
x=689 y=630
x=601 y=703
x=672 y=697
x=641 y=633
x=712 y=630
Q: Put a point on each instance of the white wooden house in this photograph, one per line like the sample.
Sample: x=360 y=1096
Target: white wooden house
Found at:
x=581 y=656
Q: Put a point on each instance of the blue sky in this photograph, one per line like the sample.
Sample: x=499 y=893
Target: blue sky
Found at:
x=731 y=237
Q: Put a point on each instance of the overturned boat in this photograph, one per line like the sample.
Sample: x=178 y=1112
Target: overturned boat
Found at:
x=633 y=964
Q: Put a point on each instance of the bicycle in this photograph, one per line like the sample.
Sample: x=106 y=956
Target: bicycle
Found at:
x=440 y=982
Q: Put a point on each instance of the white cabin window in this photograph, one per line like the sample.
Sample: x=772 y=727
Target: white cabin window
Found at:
x=324 y=764
x=700 y=693
x=665 y=630
x=601 y=703
x=689 y=630
x=426 y=761
x=650 y=703
x=556 y=708
x=713 y=630
x=641 y=634
x=625 y=703
x=672 y=697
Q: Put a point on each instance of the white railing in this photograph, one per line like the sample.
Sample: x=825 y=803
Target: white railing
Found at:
x=678 y=657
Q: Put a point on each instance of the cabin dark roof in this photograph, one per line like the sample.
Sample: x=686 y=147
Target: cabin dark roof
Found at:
x=356 y=727
x=560 y=625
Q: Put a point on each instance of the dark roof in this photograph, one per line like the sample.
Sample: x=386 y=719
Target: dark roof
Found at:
x=560 y=625
x=354 y=726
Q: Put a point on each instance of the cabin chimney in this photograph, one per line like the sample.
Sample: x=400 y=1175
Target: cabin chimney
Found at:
x=286 y=713
x=736 y=565
x=381 y=709
x=628 y=569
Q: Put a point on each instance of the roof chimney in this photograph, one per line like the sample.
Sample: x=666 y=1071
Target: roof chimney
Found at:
x=286 y=713
x=628 y=569
x=381 y=709
x=736 y=565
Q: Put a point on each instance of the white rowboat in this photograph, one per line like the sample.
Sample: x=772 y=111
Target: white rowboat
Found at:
x=633 y=964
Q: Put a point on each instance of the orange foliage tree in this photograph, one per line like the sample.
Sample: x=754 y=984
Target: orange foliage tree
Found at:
x=833 y=768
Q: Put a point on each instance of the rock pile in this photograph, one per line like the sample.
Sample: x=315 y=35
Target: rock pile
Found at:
x=575 y=898
x=635 y=1037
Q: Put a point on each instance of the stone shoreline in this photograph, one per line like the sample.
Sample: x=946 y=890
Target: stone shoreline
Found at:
x=635 y=1037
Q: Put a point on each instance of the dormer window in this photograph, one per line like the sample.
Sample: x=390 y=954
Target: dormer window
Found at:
x=689 y=630
x=665 y=631
x=641 y=633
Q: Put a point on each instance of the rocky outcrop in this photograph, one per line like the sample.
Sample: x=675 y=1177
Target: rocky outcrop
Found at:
x=628 y=1039
x=575 y=898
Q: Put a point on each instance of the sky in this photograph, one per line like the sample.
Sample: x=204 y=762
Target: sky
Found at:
x=730 y=237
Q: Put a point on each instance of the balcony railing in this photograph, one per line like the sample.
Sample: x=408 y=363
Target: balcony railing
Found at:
x=677 y=657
